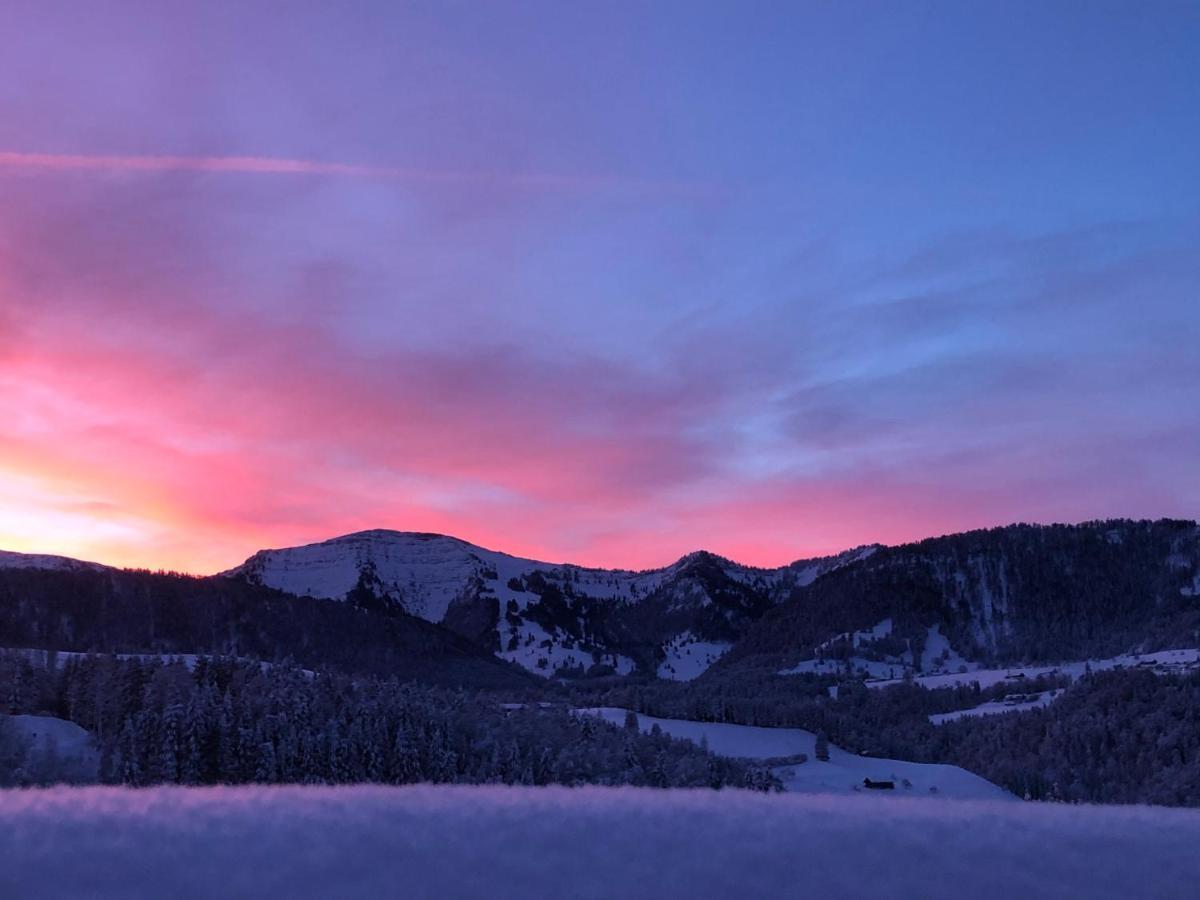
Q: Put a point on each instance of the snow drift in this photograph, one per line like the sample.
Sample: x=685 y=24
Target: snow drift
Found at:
x=582 y=843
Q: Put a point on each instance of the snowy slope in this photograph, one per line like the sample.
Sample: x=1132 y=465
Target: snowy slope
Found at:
x=686 y=657
x=582 y=843
x=61 y=744
x=429 y=570
x=10 y=560
x=855 y=665
x=843 y=773
x=447 y=580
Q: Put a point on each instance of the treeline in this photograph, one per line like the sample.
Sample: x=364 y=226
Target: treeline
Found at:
x=143 y=612
x=892 y=722
x=1118 y=737
x=230 y=722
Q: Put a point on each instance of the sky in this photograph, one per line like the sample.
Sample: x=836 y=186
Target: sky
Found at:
x=603 y=282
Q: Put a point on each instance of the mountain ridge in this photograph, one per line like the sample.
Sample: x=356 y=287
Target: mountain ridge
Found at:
x=944 y=600
x=545 y=616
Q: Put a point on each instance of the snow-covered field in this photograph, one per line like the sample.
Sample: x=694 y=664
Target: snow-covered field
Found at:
x=68 y=745
x=842 y=774
x=495 y=842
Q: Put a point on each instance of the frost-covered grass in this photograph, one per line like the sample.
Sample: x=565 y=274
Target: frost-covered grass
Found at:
x=586 y=843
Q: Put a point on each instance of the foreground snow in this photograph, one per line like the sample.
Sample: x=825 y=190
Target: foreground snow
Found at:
x=843 y=773
x=585 y=843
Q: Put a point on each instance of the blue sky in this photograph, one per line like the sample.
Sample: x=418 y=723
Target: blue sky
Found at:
x=598 y=281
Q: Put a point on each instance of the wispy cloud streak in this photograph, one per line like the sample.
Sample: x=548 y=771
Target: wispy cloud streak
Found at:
x=271 y=165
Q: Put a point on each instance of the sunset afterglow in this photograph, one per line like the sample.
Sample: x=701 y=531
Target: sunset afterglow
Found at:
x=583 y=285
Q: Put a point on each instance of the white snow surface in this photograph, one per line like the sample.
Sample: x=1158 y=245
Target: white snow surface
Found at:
x=543 y=654
x=430 y=570
x=842 y=774
x=11 y=560
x=855 y=665
x=687 y=657
x=583 y=843
x=938 y=655
x=806 y=572
x=71 y=744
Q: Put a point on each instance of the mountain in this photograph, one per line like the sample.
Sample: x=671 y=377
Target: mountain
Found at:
x=1002 y=595
x=10 y=560
x=548 y=617
x=1021 y=593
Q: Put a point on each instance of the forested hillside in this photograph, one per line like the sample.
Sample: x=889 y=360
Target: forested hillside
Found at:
x=141 y=612
x=229 y=722
x=1024 y=592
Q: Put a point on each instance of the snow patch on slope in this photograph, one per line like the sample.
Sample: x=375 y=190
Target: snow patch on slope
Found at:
x=939 y=656
x=854 y=666
x=1194 y=590
x=11 y=560
x=688 y=657
x=543 y=654
x=62 y=744
x=851 y=667
x=805 y=572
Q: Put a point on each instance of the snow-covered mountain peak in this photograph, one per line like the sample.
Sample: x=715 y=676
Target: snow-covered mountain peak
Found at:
x=424 y=572
x=11 y=560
